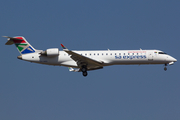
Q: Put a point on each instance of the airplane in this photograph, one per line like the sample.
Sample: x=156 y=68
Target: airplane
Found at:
x=83 y=61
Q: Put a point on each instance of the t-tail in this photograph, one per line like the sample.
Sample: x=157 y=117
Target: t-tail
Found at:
x=21 y=44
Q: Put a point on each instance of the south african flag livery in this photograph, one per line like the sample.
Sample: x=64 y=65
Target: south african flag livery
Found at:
x=22 y=45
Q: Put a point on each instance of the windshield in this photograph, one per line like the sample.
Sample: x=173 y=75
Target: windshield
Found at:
x=162 y=53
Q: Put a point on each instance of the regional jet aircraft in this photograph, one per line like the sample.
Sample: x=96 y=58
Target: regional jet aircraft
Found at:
x=83 y=61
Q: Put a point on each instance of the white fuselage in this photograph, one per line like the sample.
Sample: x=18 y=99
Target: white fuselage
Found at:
x=107 y=57
x=88 y=60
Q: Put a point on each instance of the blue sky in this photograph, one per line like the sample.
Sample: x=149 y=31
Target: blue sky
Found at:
x=33 y=91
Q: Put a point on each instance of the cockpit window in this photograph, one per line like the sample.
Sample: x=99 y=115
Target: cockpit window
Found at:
x=162 y=53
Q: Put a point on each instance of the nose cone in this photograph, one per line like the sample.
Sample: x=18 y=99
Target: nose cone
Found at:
x=170 y=59
x=175 y=60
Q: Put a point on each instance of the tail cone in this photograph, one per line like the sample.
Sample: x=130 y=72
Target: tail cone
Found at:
x=19 y=57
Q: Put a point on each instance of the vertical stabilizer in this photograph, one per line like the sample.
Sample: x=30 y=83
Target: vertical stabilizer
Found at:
x=21 y=43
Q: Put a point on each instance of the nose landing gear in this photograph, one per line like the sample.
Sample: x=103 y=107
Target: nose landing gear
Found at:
x=165 y=68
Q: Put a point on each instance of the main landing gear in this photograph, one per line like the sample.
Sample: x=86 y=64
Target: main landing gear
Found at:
x=165 y=68
x=84 y=70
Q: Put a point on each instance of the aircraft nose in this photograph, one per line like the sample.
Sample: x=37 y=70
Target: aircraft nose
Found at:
x=171 y=59
x=175 y=60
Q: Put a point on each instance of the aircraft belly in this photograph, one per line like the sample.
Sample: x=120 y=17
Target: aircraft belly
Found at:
x=36 y=58
x=69 y=64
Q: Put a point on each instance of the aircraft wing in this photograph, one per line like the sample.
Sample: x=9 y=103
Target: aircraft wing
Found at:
x=83 y=60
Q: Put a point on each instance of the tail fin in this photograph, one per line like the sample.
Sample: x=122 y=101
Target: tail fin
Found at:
x=21 y=43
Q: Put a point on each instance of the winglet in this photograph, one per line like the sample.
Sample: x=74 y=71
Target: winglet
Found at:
x=63 y=46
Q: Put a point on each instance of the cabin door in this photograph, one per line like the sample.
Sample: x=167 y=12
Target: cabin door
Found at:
x=150 y=56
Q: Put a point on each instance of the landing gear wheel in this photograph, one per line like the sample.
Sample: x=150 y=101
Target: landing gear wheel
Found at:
x=85 y=74
x=84 y=68
x=165 y=68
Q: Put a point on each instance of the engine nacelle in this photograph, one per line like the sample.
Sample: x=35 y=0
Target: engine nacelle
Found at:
x=52 y=52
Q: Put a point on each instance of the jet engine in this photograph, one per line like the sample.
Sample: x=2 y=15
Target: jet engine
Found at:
x=52 y=52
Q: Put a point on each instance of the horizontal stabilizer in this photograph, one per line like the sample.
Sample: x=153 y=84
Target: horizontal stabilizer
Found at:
x=13 y=38
x=10 y=40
